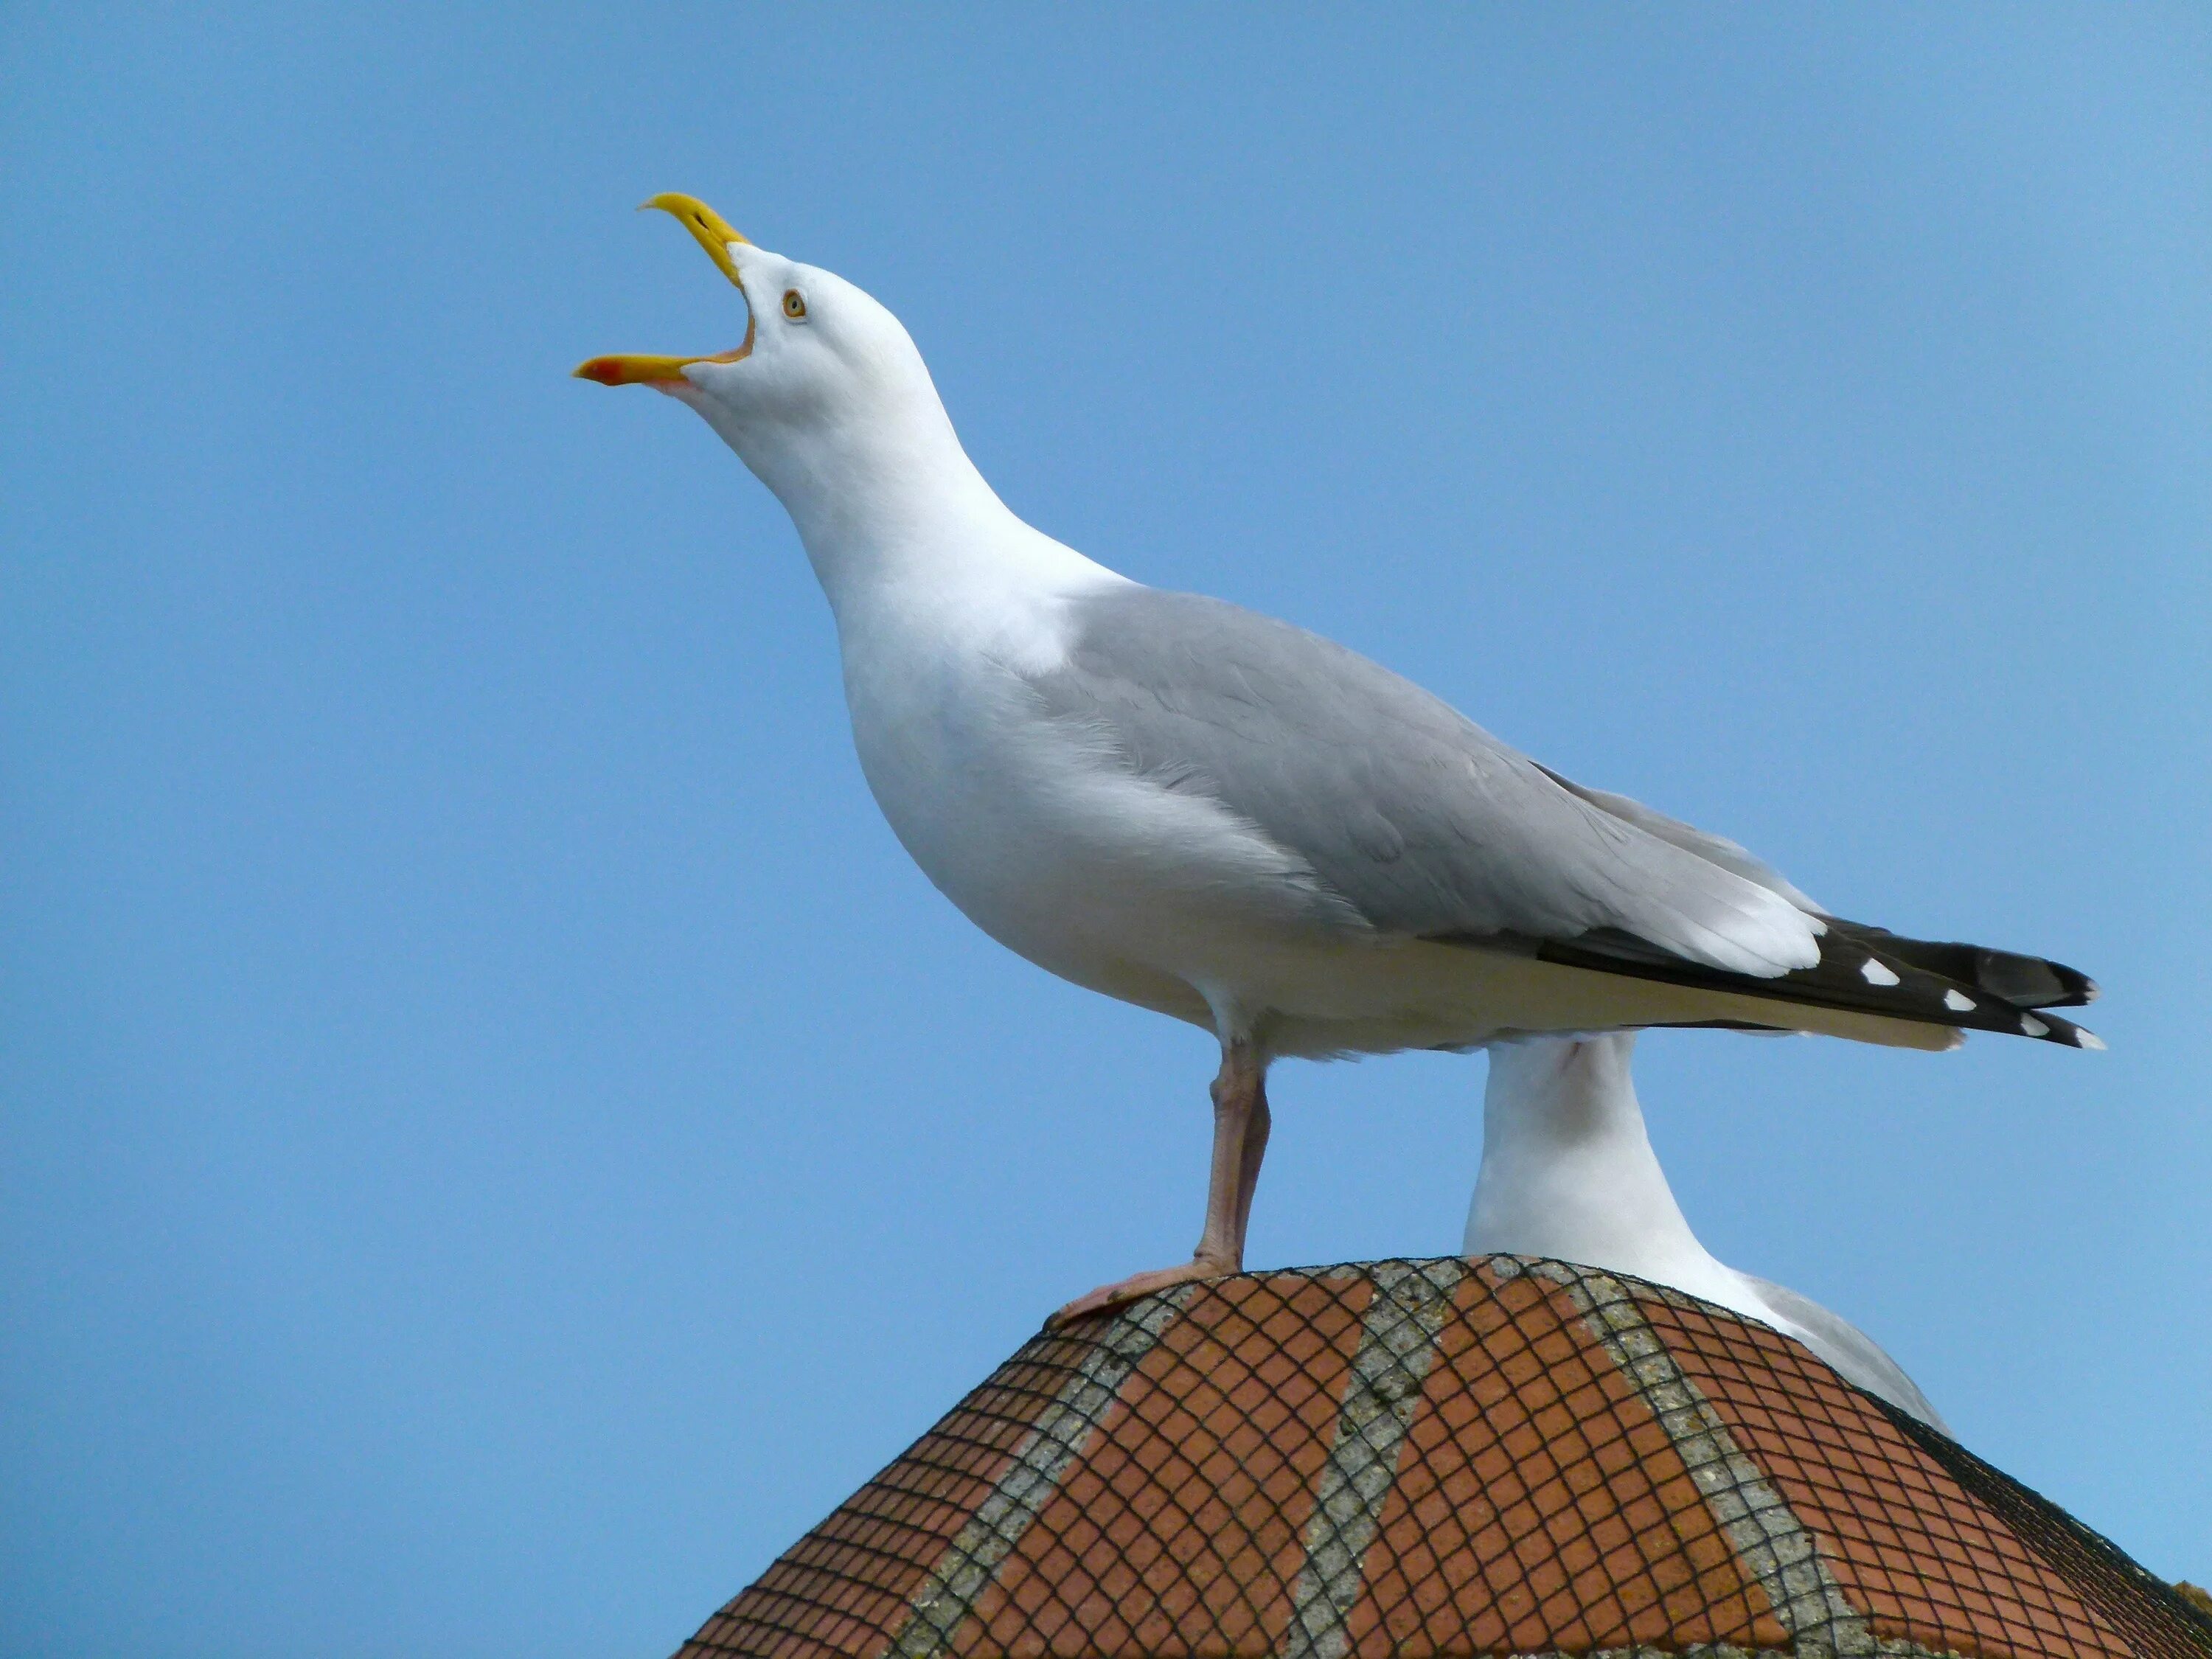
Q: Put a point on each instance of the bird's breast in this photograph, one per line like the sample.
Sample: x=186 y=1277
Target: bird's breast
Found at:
x=1040 y=832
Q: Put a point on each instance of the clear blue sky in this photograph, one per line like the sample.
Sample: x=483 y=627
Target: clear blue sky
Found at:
x=498 y=1139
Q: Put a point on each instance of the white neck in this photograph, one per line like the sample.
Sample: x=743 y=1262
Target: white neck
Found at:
x=1568 y=1171
x=888 y=495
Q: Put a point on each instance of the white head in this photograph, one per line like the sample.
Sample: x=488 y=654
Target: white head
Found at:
x=827 y=400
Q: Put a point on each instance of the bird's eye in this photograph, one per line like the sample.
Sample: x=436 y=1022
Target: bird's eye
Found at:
x=794 y=305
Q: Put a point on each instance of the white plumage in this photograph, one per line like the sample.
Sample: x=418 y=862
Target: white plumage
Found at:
x=1568 y=1172
x=1220 y=817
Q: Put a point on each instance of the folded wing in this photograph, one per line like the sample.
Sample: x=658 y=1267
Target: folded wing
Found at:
x=1432 y=828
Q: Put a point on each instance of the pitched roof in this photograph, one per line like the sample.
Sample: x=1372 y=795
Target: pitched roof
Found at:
x=1440 y=1457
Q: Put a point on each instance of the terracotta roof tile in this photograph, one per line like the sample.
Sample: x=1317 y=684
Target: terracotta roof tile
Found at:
x=1926 y=1561
x=1187 y=1514
x=1437 y=1458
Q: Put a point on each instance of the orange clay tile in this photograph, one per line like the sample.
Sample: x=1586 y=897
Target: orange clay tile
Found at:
x=1415 y=1459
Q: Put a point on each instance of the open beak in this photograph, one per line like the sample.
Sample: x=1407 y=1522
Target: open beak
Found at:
x=714 y=233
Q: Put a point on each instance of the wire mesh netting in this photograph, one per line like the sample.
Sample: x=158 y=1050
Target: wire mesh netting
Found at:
x=1439 y=1457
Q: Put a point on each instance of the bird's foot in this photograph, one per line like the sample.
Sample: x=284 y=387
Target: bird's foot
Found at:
x=1141 y=1285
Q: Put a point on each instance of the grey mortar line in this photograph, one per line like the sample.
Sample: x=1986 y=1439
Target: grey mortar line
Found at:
x=1045 y=1454
x=1771 y=1542
x=1397 y=1343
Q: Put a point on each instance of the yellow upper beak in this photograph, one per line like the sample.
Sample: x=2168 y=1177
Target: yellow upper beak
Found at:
x=714 y=233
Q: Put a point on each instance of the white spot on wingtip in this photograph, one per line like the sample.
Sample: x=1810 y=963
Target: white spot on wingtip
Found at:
x=1878 y=973
x=2033 y=1026
x=1958 y=1002
x=2088 y=1040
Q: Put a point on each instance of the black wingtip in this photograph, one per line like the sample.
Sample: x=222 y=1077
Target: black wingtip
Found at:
x=2051 y=1028
x=2023 y=981
x=1865 y=970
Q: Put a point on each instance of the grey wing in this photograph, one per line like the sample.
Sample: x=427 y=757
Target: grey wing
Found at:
x=1855 y=1355
x=1714 y=849
x=1425 y=823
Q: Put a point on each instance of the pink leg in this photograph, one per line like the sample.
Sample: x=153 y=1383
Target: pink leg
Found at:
x=1256 y=1148
x=1240 y=1141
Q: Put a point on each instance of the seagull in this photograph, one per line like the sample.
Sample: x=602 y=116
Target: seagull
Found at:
x=1568 y=1173
x=1227 y=819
